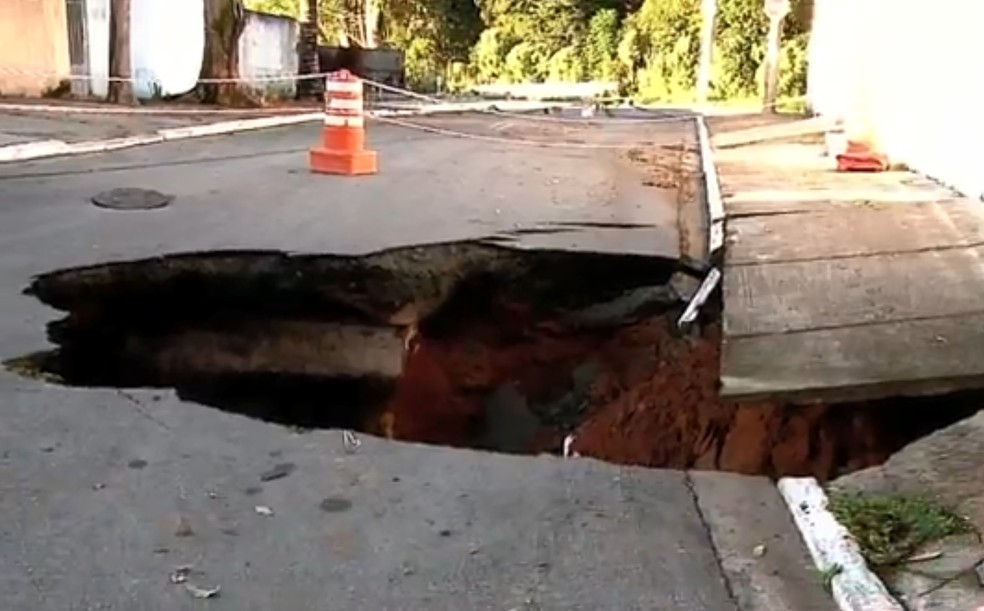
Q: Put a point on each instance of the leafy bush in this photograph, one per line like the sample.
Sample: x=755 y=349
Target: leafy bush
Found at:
x=527 y=61
x=793 y=65
x=601 y=45
x=488 y=58
x=566 y=65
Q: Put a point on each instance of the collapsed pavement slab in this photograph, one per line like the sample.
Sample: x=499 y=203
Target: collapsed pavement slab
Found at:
x=107 y=487
x=106 y=494
x=846 y=286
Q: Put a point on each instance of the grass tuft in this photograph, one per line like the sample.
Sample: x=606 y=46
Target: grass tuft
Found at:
x=891 y=528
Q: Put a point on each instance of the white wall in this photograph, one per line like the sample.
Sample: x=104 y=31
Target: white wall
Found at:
x=168 y=40
x=97 y=33
x=911 y=70
x=167 y=45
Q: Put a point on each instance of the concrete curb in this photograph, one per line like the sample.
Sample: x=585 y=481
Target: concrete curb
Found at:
x=834 y=552
x=237 y=125
x=715 y=205
x=31 y=150
x=54 y=148
x=764 y=133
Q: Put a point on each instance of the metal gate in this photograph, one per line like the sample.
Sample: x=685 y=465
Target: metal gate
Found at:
x=78 y=49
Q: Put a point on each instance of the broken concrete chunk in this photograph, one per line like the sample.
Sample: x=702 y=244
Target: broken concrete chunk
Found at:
x=684 y=285
x=198 y=592
x=180 y=575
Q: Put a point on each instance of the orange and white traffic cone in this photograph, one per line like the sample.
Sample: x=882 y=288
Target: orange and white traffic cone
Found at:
x=342 y=149
x=862 y=151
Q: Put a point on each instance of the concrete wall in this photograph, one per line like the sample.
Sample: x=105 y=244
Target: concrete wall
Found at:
x=268 y=48
x=908 y=70
x=33 y=46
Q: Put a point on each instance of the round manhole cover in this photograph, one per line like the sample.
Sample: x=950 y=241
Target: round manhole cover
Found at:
x=132 y=199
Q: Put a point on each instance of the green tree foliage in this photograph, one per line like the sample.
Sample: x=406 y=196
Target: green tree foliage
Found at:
x=602 y=44
x=665 y=44
x=287 y=8
x=433 y=33
x=650 y=47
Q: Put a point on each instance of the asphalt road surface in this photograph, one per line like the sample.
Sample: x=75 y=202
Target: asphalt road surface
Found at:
x=105 y=493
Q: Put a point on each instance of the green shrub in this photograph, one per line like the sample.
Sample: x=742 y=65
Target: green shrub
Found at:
x=566 y=65
x=600 y=47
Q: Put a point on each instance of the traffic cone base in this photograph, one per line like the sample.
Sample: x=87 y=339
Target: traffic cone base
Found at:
x=343 y=163
x=861 y=158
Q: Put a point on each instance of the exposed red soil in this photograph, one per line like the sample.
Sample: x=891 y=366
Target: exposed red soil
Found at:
x=655 y=403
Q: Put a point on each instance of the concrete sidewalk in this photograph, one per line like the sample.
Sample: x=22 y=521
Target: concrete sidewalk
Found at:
x=846 y=286
x=841 y=286
x=946 y=466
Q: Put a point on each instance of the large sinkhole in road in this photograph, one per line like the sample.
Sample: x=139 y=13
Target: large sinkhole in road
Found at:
x=461 y=345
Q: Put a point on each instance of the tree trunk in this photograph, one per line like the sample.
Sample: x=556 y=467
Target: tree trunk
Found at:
x=120 y=91
x=225 y=21
x=310 y=87
x=371 y=13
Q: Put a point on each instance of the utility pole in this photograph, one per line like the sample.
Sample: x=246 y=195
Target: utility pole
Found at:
x=776 y=11
x=708 y=10
x=120 y=71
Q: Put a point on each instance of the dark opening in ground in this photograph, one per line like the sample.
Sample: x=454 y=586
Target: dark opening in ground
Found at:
x=460 y=345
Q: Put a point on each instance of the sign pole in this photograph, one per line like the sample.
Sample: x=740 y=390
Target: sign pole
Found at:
x=776 y=11
x=709 y=12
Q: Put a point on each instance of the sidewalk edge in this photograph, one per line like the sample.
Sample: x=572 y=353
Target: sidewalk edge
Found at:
x=32 y=150
x=57 y=148
x=712 y=189
x=834 y=552
x=236 y=125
